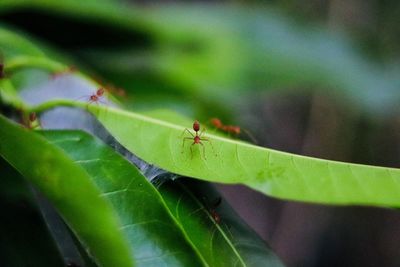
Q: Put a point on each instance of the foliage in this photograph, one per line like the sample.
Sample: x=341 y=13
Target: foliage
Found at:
x=118 y=216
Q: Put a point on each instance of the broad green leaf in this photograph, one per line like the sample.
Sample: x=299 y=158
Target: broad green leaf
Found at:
x=24 y=237
x=156 y=237
x=71 y=191
x=272 y=172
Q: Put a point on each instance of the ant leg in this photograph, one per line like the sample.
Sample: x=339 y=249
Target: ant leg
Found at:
x=202 y=131
x=187 y=130
x=79 y=98
x=191 y=150
x=183 y=142
x=212 y=147
x=204 y=150
x=251 y=136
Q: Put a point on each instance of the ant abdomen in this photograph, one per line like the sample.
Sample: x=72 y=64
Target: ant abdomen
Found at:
x=196 y=126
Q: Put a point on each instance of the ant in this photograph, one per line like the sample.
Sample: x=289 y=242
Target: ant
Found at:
x=211 y=209
x=196 y=138
x=96 y=96
x=213 y=212
x=111 y=88
x=231 y=129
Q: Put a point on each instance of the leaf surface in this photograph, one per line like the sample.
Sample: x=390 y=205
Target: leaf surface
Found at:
x=155 y=238
x=272 y=172
x=173 y=229
x=70 y=190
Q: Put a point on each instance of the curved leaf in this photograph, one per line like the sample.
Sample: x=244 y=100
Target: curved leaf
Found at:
x=69 y=188
x=272 y=172
x=222 y=236
x=154 y=237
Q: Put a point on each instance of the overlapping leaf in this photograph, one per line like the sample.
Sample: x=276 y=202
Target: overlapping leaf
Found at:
x=176 y=229
x=70 y=189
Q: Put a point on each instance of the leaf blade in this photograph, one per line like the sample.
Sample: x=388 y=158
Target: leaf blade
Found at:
x=144 y=217
x=271 y=172
x=45 y=166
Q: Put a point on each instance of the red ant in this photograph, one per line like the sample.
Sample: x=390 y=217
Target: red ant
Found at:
x=196 y=138
x=213 y=212
x=111 y=88
x=211 y=209
x=96 y=96
x=231 y=129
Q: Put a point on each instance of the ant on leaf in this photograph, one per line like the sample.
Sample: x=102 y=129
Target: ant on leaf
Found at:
x=96 y=97
x=196 y=138
x=210 y=209
x=231 y=129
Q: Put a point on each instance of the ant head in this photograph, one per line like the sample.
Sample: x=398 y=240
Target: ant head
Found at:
x=100 y=91
x=94 y=98
x=32 y=116
x=196 y=126
x=216 y=122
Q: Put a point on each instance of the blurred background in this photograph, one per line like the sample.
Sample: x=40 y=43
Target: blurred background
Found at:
x=317 y=77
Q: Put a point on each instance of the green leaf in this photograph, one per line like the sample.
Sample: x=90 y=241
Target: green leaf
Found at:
x=271 y=172
x=155 y=236
x=226 y=242
x=8 y=94
x=13 y=44
x=70 y=189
